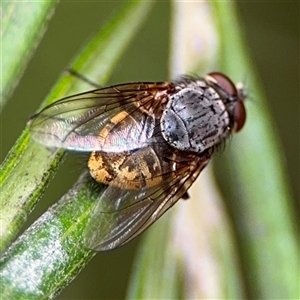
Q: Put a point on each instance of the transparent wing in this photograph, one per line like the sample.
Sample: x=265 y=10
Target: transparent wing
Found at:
x=108 y=119
x=120 y=215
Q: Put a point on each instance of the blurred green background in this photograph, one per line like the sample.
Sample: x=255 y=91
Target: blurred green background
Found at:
x=272 y=33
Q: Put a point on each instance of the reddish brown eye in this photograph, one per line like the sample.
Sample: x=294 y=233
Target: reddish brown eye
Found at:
x=239 y=111
x=239 y=116
x=224 y=82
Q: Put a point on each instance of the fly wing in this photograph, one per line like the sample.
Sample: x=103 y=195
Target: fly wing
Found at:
x=75 y=122
x=120 y=215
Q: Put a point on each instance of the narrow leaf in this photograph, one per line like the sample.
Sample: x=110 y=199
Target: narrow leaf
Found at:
x=23 y=25
x=260 y=198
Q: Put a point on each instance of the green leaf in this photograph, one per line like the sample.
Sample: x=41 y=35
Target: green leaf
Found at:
x=23 y=25
x=58 y=230
x=260 y=198
x=242 y=246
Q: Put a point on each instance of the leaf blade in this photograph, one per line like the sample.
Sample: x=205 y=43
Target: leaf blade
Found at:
x=22 y=28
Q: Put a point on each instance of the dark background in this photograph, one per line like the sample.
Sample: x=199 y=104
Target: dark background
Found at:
x=272 y=33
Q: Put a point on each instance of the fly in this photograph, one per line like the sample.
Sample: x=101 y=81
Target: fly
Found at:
x=148 y=142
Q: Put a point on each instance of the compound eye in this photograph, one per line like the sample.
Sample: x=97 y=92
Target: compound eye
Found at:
x=224 y=82
x=239 y=116
x=239 y=111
